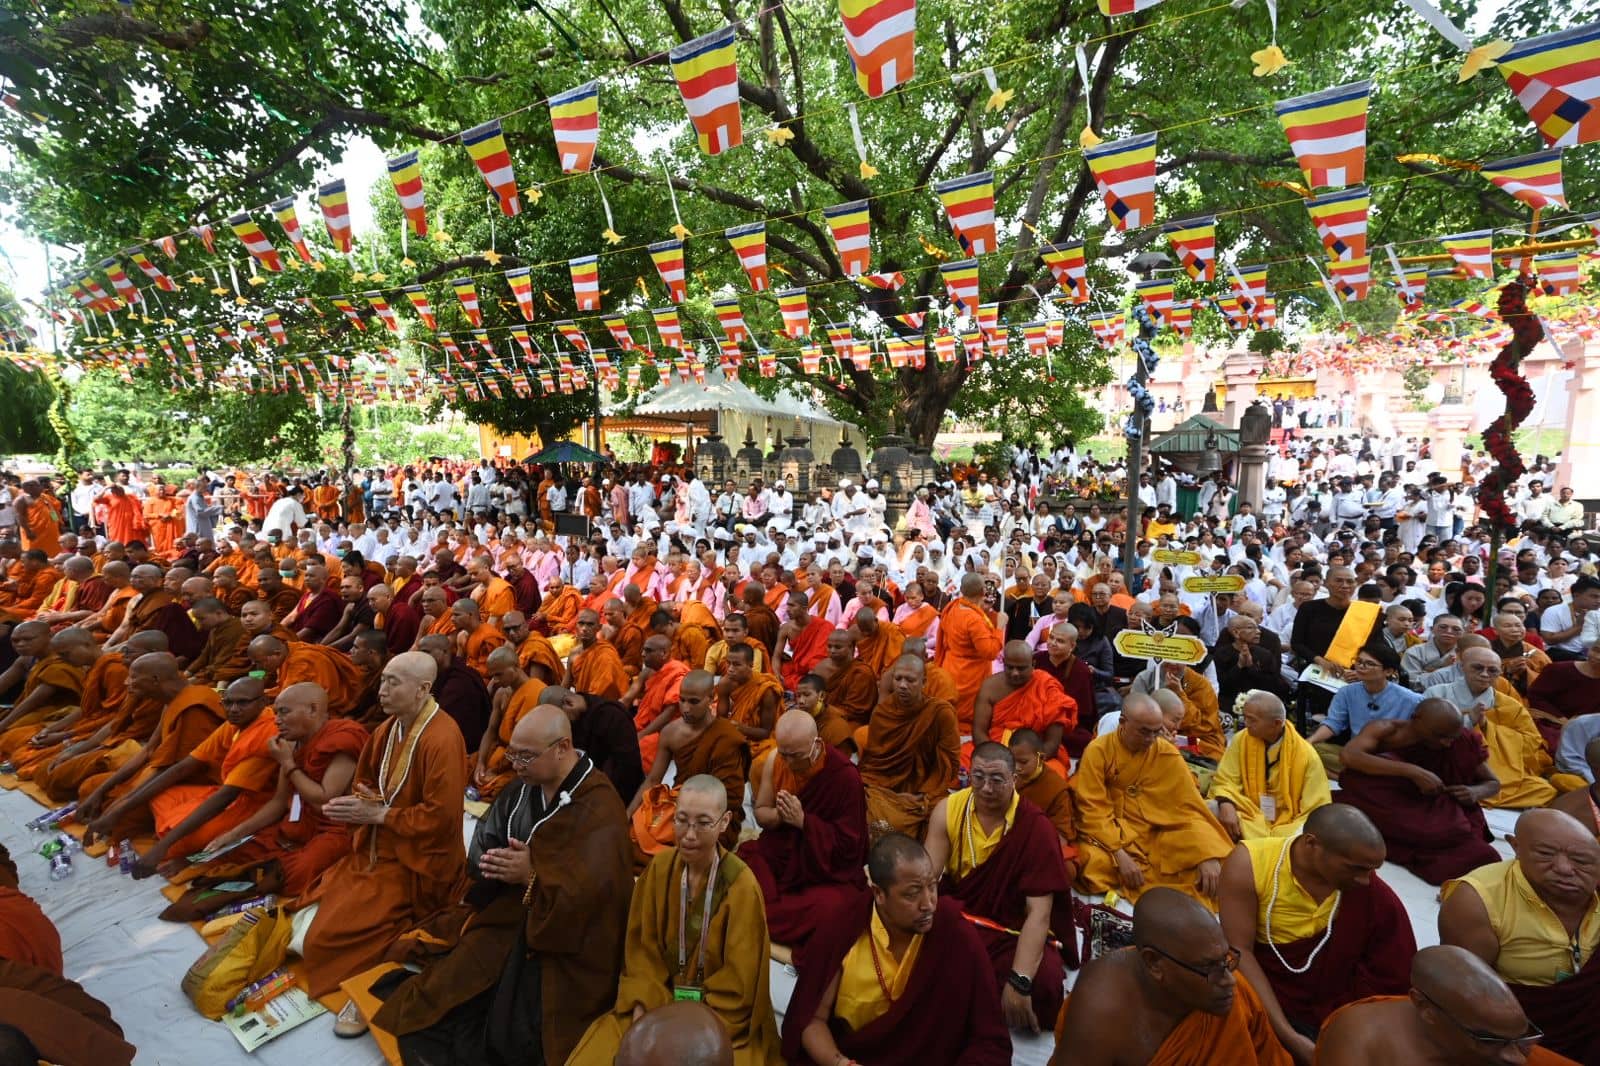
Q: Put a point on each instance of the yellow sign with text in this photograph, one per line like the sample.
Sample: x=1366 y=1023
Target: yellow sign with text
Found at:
x=1173 y=557
x=1214 y=584
x=1175 y=649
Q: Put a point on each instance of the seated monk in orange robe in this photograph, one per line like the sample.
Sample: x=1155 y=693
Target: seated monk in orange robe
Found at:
x=831 y=725
x=1141 y=821
x=1039 y=784
x=852 y=686
x=694 y=634
x=33 y=584
x=515 y=694
x=696 y=742
x=51 y=687
x=802 y=642
x=225 y=780
x=1147 y=1004
x=653 y=695
x=912 y=752
x=635 y=626
x=105 y=685
x=558 y=613
x=117 y=740
x=189 y=714
x=969 y=642
x=316 y=760
x=594 y=667
x=476 y=637
x=752 y=701
x=880 y=643
x=1021 y=697
x=535 y=654
x=297 y=663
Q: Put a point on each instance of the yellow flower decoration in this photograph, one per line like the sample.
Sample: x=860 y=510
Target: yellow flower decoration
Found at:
x=868 y=171
x=780 y=135
x=378 y=277
x=441 y=237
x=1268 y=61
x=408 y=263
x=195 y=279
x=999 y=99
x=492 y=257
x=612 y=236
x=319 y=266
x=358 y=276
x=257 y=279
x=169 y=322
x=1482 y=57
x=534 y=193
x=1088 y=138
x=680 y=231
x=241 y=301
x=220 y=290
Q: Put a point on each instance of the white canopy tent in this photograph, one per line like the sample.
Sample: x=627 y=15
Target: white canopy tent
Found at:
x=677 y=409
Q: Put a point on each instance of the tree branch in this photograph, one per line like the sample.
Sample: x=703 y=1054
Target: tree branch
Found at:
x=84 y=31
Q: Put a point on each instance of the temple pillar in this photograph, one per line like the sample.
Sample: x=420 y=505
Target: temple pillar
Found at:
x=1580 y=459
x=1241 y=370
x=1447 y=428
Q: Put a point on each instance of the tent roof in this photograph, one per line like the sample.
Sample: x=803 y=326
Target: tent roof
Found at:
x=1190 y=436
x=676 y=401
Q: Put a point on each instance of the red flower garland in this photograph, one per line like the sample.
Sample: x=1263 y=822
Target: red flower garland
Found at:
x=1526 y=333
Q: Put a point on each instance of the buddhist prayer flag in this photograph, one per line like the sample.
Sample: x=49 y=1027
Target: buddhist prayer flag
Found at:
x=961 y=282
x=1352 y=277
x=384 y=312
x=1534 y=179
x=207 y=235
x=1558 y=272
x=989 y=319
x=904 y=353
x=881 y=36
x=585 y=284
x=668 y=258
x=1125 y=173
x=840 y=337
x=1108 y=328
x=448 y=343
x=154 y=272
x=1327 y=131
x=486 y=144
x=274 y=323
x=731 y=319
x=168 y=246
x=255 y=242
x=852 y=231
x=467 y=293
x=1112 y=8
x=1194 y=242
x=620 y=334
x=575 y=117
x=1067 y=265
x=334 y=203
x=419 y=300
x=482 y=337
x=228 y=338
x=667 y=327
x=1341 y=221
x=1036 y=336
x=1249 y=284
x=1556 y=77
x=796 y=313
x=525 y=342
x=120 y=281
x=350 y=312
x=708 y=80
x=972 y=342
x=189 y=346
x=944 y=347
x=1232 y=309
x=1266 y=313
x=520 y=281
x=810 y=359
x=912 y=319
x=284 y=210
x=750 y=245
x=1473 y=252
x=888 y=282
x=969 y=203
x=1157 y=295
x=573 y=335
x=1181 y=318
x=1412 y=284
x=405 y=171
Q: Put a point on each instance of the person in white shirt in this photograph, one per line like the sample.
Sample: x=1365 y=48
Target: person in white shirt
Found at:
x=780 y=507
x=1570 y=628
x=1167 y=491
x=877 y=507
x=479 y=497
x=445 y=497
x=1242 y=521
x=286 y=514
x=1274 y=500
x=83 y=495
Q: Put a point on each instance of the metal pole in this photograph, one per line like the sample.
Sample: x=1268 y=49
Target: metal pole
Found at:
x=1137 y=426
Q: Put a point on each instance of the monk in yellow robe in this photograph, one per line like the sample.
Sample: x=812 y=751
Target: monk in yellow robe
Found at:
x=1202 y=723
x=693 y=634
x=1149 y=1003
x=1518 y=756
x=969 y=642
x=736 y=630
x=911 y=754
x=1270 y=778
x=594 y=667
x=1141 y=822
x=852 y=687
x=30 y=587
x=752 y=701
x=51 y=687
x=722 y=930
x=515 y=695
x=831 y=725
x=116 y=741
x=325 y=501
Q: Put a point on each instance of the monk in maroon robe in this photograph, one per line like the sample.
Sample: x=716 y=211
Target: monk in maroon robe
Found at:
x=1422 y=781
x=946 y=1009
x=1057 y=656
x=805 y=870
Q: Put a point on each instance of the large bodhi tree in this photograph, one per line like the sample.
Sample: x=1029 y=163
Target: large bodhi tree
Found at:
x=246 y=107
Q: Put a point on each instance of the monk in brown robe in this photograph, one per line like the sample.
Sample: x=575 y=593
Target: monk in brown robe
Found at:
x=852 y=687
x=722 y=926
x=189 y=714
x=105 y=685
x=31 y=587
x=26 y=935
x=156 y=607
x=51 y=687
x=315 y=756
x=752 y=700
x=761 y=620
x=299 y=663
x=1457 y=1011
x=532 y=956
x=1141 y=821
x=697 y=742
x=813 y=815
x=594 y=666
x=1039 y=784
x=476 y=636
x=835 y=731
x=536 y=655
x=878 y=643
x=937 y=683
x=407 y=859
x=120 y=592
x=633 y=624
x=218 y=659
x=1023 y=697
x=692 y=632
x=398 y=620
x=515 y=694
x=969 y=641
x=57 y=1020
x=653 y=695
x=912 y=750
x=1172 y=999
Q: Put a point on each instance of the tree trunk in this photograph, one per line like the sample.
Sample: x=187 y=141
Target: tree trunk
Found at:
x=920 y=405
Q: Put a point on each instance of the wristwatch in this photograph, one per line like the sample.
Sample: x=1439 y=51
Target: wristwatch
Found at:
x=1022 y=984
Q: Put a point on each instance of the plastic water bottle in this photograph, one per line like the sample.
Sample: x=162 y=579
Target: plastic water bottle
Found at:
x=266 y=902
x=472 y=794
x=50 y=848
x=60 y=866
x=68 y=842
x=126 y=856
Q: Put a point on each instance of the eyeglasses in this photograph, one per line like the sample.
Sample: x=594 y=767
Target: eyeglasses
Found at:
x=520 y=759
x=1494 y=1041
x=698 y=826
x=1213 y=972
x=982 y=780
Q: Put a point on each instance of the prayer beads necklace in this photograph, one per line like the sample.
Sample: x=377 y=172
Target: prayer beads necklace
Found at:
x=966 y=819
x=1272 y=902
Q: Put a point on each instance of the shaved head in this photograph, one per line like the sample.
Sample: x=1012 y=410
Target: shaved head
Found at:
x=795 y=730
x=707 y=788
x=677 y=1034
